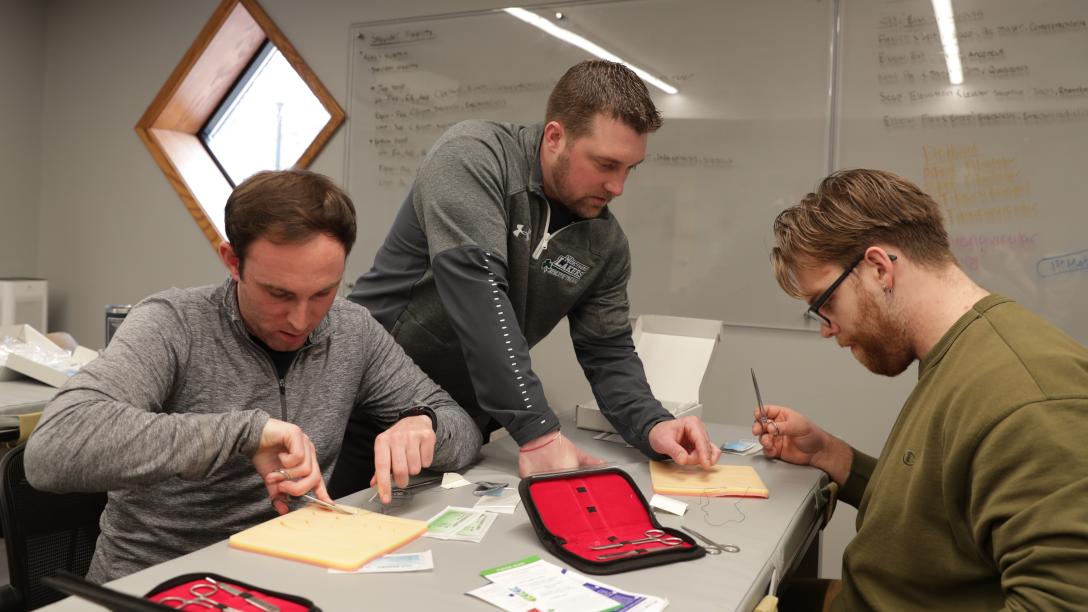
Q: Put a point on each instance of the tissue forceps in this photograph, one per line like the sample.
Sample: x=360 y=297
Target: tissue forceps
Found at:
x=630 y=553
x=769 y=426
x=324 y=504
x=652 y=535
x=308 y=496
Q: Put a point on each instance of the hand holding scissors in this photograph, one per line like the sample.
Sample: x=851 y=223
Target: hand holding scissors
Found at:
x=287 y=463
x=652 y=535
x=201 y=592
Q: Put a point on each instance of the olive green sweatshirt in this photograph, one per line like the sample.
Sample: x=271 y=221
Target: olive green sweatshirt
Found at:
x=979 y=500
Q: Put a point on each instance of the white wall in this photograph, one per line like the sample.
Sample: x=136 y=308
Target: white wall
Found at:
x=115 y=231
x=22 y=47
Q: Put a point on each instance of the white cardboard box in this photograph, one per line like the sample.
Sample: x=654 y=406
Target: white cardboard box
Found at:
x=28 y=334
x=24 y=300
x=676 y=352
x=18 y=366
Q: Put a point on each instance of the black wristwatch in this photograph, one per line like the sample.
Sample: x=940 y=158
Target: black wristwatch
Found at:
x=420 y=411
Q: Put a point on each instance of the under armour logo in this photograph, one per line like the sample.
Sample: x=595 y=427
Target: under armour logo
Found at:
x=520 y=231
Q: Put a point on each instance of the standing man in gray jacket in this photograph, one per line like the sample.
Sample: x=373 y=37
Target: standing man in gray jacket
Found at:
x=210 y=400
x=505 y=232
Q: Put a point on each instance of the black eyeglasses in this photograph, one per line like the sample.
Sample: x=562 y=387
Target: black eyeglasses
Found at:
x=813 y=312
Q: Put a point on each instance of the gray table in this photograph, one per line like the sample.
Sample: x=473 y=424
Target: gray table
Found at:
x=23 y=396
x=773 y=534
x=20 y=396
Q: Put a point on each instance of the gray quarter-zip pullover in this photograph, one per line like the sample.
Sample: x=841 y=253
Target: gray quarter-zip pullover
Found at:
x=168 y=416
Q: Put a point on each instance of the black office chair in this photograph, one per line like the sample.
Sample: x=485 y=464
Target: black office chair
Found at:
x=44 y=532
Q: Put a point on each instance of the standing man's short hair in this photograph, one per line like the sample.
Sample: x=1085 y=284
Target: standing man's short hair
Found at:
x=850 y=211
x=599 y=86
x=288 y=206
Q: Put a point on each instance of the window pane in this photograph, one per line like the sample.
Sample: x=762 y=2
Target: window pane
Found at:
x=267 y=122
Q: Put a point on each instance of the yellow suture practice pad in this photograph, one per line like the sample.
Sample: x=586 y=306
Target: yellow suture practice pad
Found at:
x=719 y=481
x=330 y=539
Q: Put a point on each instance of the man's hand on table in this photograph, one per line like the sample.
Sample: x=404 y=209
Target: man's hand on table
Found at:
x=402 y=451
x=685 y=441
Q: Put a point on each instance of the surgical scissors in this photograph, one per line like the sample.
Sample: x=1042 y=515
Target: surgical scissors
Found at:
x=652 y=535
x=712 y=547
x=201 y=592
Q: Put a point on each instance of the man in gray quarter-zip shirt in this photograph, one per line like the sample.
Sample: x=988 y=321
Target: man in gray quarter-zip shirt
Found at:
x=209 y=401
x=505 y=232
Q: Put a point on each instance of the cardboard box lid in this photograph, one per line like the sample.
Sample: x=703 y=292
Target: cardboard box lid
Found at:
x=676 y=353
x=17 y=366
x=25 y=333
x=30 y=335
x=588 y=415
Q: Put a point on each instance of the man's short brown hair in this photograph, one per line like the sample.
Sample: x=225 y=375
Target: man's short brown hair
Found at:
x=599 y=86
x=288 y=206
x=850 y=211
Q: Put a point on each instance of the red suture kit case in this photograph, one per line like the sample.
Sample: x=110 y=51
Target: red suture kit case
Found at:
x=574 y=512
x=181 y=586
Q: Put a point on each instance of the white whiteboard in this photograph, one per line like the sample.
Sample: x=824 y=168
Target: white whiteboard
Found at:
x=746 y=136
x=1005 y=153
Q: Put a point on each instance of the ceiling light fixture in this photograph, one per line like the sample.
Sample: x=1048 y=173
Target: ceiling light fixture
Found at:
x=582 y=43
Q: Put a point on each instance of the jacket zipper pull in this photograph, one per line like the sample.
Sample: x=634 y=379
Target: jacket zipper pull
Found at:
x=283 y=387
x=546 y=236
x=543 y=246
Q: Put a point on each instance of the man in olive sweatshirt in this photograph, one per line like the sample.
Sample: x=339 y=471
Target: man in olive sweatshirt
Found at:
x=979 y=499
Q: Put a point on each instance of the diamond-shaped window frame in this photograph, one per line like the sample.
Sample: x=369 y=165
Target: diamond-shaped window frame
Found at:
x=202 y=80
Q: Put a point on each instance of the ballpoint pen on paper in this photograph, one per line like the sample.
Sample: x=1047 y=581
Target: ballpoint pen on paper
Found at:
x=766 y=421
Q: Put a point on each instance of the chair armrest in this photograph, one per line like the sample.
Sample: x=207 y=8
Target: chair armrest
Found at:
x=27 y=423
x=10 y=599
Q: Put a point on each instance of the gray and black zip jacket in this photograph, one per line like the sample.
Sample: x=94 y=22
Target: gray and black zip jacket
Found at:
x=168 y=416
x=469 y=279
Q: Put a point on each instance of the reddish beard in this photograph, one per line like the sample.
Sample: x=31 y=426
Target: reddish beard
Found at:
x=881 y=340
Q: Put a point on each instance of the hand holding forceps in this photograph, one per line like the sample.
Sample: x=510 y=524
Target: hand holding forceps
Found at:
x=652 y=535
x=201 y=592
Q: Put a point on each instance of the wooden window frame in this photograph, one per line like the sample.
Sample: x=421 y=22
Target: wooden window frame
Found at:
x=170 y=128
